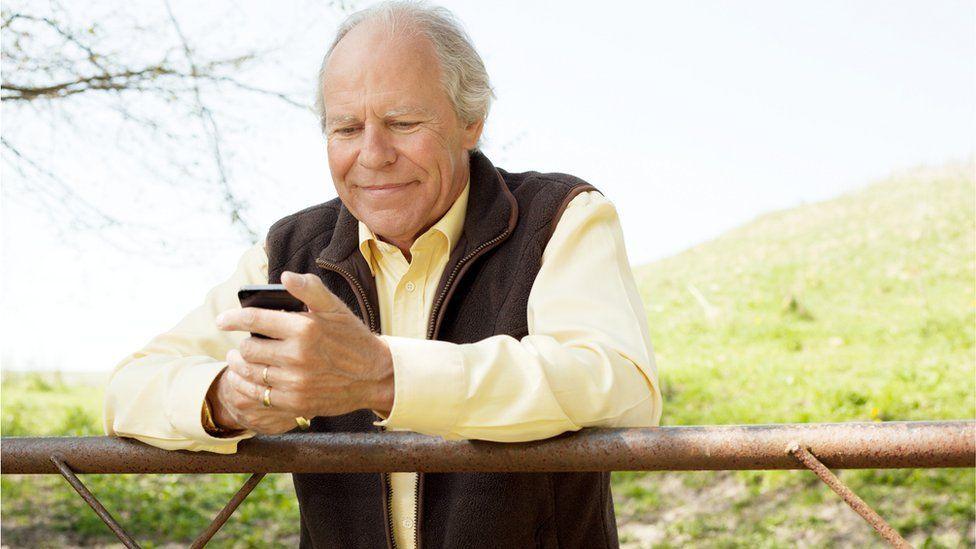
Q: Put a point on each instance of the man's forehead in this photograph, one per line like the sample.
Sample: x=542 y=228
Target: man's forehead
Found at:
x=381 y=91
x=372 y=47
x=375 y=73
x=350 y=112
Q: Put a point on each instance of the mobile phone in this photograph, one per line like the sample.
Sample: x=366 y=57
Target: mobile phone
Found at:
x=269 y=296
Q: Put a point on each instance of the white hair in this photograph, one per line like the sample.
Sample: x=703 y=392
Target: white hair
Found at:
x=463 y=73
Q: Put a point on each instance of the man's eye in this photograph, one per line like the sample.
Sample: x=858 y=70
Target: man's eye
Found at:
x=404 y=125
x=346 y=131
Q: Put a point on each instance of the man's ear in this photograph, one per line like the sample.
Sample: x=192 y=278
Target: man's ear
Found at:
x=472 y=132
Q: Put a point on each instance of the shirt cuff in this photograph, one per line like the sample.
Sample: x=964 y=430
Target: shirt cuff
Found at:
x=187 y=394
x=428 y=385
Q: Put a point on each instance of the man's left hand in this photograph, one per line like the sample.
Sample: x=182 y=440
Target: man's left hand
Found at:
x=323 y=362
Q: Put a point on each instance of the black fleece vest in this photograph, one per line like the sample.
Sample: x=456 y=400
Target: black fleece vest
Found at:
x=483 y=292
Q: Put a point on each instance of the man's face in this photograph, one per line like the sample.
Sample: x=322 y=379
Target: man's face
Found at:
x=397 y=150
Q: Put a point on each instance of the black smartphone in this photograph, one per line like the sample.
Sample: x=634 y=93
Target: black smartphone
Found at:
x=269 y=296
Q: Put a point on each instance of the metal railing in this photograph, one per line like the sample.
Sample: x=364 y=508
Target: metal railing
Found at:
x=818 y=447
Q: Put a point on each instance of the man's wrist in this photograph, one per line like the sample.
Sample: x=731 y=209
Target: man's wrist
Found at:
x=215 y=414
x=381 y=397
x=211 y=427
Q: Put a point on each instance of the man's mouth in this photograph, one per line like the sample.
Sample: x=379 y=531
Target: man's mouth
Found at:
x=385 y=189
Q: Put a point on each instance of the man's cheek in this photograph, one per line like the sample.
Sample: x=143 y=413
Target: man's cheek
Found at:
x=342 y=158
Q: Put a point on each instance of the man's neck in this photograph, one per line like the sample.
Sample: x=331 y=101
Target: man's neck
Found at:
x=403 y=245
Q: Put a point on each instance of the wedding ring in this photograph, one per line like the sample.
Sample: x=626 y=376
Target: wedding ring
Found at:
x=303 y=423
x=264 y=376
x=267 y=397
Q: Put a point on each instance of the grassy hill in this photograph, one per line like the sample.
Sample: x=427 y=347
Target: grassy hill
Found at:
x=859 y=308
x=856 y=309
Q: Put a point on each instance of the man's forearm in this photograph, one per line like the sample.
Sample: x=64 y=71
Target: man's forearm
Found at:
x=507 y=390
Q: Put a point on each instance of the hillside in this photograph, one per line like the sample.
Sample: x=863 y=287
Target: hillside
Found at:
x=856 y=309
x=861 y=307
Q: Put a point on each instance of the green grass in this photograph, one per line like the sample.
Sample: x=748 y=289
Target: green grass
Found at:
x=857 y=309
x=43 y=511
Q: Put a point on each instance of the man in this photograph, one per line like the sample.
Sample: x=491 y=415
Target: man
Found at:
x=445 y=296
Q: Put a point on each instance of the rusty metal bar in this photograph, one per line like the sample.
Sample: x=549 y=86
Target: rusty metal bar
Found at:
x=754 y=447
x=227 y=511
x=93 y=502
x=853 y=500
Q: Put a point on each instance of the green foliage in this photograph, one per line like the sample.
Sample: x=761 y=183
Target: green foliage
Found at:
x=857 y=309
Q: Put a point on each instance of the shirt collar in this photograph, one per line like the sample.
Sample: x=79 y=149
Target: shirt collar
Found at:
x=450 y=225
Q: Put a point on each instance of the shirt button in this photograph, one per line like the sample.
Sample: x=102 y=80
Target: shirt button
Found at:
x=408 y=523
x=410 y=286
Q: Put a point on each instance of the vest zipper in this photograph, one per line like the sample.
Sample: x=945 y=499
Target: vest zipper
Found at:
x=371 y=321
x=389 y=510
x=360 y=291
x=435 y=308
x=416 y=510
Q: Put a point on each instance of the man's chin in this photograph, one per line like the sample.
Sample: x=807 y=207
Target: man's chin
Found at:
x=390 y=226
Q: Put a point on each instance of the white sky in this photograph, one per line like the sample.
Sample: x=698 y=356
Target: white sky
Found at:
x=693 y=117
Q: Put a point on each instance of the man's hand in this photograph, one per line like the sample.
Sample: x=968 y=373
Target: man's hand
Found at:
x=233 y=410
x=323 y=362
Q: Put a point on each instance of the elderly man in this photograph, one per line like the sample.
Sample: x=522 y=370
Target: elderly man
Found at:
x=445 y=296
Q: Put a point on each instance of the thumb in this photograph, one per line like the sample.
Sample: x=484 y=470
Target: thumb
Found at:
x=312 y=292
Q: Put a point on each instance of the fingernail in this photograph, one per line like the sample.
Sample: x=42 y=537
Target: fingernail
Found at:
x=220 y=319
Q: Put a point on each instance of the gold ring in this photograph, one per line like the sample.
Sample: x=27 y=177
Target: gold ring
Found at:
x=264 y=376
x=267 y=397
x=303 y=423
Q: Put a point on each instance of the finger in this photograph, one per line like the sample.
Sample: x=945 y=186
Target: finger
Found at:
x=271 y=352
x=253 y=394
x=274 y=324
x=255 y=417
x=312 y=292
x=253 y=371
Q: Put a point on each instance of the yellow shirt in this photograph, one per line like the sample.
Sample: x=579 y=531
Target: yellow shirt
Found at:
x=586 y=362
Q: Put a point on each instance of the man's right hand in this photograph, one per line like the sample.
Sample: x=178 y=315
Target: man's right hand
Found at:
x=233 y=409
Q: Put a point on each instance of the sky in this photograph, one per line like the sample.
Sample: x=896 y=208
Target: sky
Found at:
x=692 y=117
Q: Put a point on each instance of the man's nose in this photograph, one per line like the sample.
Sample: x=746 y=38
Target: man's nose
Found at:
x=377 y=150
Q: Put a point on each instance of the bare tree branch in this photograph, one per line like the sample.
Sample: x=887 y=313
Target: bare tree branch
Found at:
x=48 y=59
x=130 y=79
x=233 y=203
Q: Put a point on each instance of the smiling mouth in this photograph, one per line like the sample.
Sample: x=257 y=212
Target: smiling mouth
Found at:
x=382 y=190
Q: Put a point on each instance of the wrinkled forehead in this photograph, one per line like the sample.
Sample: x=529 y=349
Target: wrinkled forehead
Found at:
x=376 y=70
